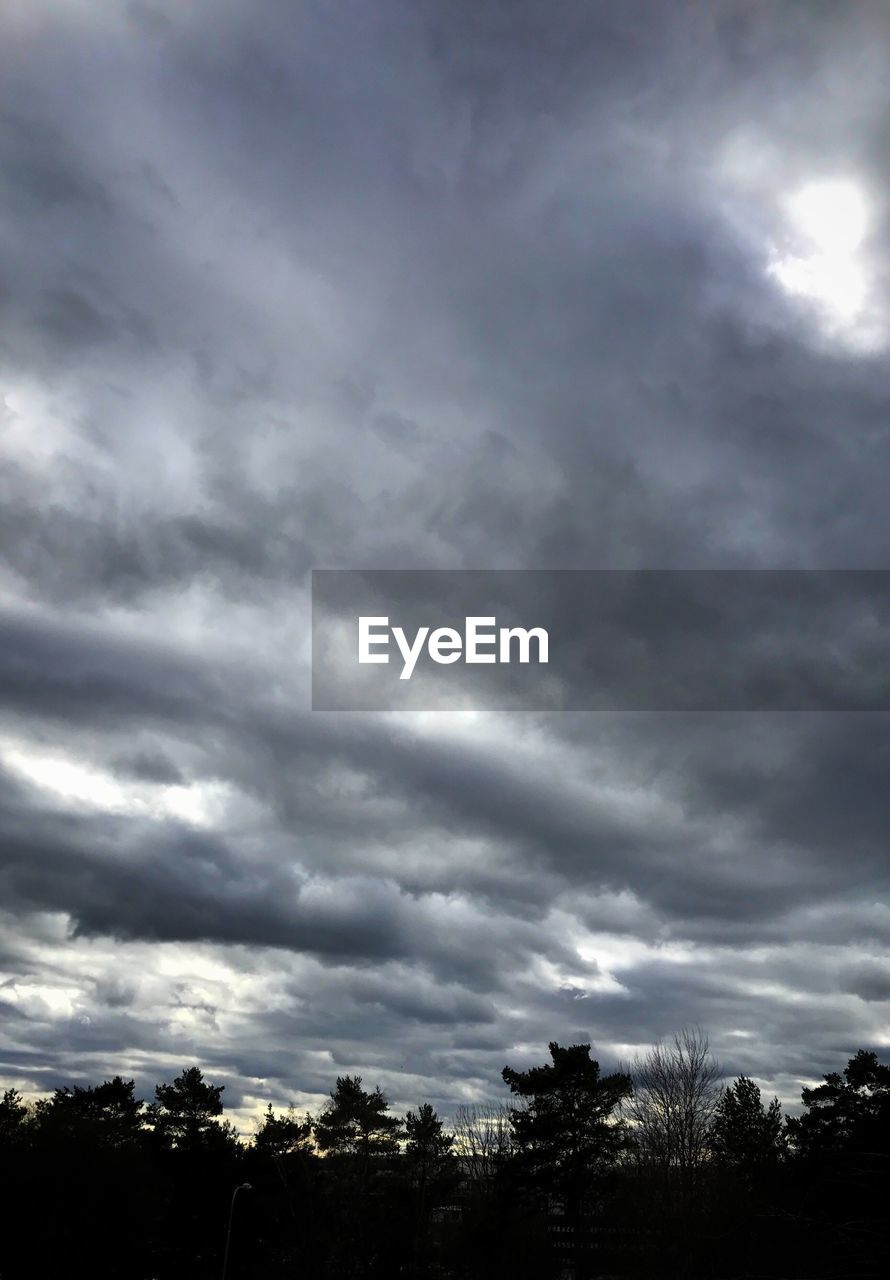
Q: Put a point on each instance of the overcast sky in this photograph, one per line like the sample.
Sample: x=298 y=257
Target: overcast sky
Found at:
x=426 y=284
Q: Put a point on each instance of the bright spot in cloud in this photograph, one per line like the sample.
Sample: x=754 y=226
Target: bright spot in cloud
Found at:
x=822 y=261
x=83 y=784
x=832 y=215
x=839 y=286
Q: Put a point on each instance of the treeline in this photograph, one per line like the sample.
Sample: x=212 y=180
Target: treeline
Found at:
x=654 y=1170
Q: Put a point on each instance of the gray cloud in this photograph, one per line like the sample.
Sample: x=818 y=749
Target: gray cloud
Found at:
x=429 y=286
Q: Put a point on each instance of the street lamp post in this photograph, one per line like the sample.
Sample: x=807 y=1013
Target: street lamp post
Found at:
x=242 y=1186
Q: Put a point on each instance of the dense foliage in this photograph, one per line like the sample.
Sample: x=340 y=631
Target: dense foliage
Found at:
x=654 y=1171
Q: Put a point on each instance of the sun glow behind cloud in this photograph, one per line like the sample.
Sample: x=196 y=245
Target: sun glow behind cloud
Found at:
x=822 y=260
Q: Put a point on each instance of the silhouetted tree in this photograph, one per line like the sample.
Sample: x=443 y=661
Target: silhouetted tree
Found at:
x=840 y=1178
x=676 y=1090
x=568 y=1128
x=13 y=1117
x=675 y=1095
x=280 y=1165
x=848 y=1112
x=745 y=1135
x=428 y=1150
x=483 y=1141
x=108 y=1114
x=185 y=1113
x=360 y=1140
x=88 y=1156
x=198 y=1158
x=284 y=1135
x=430 y=1163
x=356 y=1122
x=93 y=1181
x=569 y=1132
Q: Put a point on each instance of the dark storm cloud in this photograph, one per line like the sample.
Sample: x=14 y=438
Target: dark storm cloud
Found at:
x=432 y=286
x=52 y=862
x=627 y=641
x=783 y=854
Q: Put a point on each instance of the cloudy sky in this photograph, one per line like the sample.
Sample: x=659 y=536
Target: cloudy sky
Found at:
x=426 y=284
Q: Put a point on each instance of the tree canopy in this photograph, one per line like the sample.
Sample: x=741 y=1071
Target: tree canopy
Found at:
x=357 y=1122
x=567 y=1128
x=745 y=1134
x=849 y=1111
x=185 y=1114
